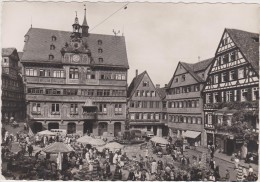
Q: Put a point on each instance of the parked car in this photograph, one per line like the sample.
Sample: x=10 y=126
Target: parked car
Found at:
x=149 y=135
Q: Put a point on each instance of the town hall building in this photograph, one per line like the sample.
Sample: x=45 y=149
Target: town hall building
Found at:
x=76 y=81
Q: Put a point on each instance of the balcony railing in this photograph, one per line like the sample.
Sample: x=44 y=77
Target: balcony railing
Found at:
x=87 y=115
x=45 y=80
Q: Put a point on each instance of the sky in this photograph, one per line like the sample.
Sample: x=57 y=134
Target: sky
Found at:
x=158 y=35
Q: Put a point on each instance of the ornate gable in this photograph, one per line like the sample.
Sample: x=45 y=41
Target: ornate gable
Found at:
x=225 y=44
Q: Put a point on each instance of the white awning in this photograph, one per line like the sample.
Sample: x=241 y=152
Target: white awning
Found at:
x=191 y=134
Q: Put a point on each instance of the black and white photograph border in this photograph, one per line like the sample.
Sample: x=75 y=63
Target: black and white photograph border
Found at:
x=130 y=90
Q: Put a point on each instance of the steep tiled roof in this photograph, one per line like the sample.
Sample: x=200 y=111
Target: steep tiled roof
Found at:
x=8 y=51
x=246 y=42
x=134 y=84
x=20 y=54
x=161 y=92
x=201 y=66
x=37 y=47
x=190 y=70
x=197 y=67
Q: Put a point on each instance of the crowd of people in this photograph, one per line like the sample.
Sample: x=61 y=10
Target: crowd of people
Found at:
x=86 y=162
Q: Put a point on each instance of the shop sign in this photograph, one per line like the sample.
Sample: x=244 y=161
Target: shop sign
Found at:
x=239 y=140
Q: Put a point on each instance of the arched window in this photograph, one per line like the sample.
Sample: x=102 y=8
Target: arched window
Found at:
x=51 y=57
x=99 y=42
x=53 y=38
x=100 y=50
x=52 y=47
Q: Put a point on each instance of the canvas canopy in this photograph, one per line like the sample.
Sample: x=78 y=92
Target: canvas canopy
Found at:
x=159 y=140
x=92 y=141
x=58 y=147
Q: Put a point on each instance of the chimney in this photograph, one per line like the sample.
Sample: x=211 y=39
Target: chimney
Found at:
x=157 y=85
x=136 y=72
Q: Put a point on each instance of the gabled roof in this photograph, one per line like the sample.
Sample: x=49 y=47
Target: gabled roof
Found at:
x=20 y=54
x=246 y=42
x=8 y=51
x=190 y=70
x=37 y=47
x=134 y=84
x=193 y=69
x=161 y=92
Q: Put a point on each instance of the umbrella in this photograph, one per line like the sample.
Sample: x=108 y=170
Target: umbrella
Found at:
x=112 y=146
x=160 y=140
x=58 y=147
x=46 y=132
x=92 y=141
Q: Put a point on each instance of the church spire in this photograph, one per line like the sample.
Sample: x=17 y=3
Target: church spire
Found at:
x=85 y=26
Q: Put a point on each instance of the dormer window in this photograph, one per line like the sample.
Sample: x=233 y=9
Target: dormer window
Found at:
x=51 y=57
x=53 y=38
x=99 y=42
x=100 y=50
x=52 y=47
x=100 y=60
x=256 y=39
x=183 y=78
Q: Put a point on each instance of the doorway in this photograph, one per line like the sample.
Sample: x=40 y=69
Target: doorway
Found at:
x=71 y=128
x=87 y=127
x=37 y=126
x=117 y=128
x=102 y=127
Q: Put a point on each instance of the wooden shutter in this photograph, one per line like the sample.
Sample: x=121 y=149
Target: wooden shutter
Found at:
x=211 y=97
x=236 y=73
x=224 y=96
x=249 y=94
x=219 y=77
x=232 y=96
x=238 y=95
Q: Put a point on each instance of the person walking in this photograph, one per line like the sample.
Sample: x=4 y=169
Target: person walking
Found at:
x=236 y=162
x=240 y=176
x=30 y=150
x=131 y=175
x=154 y=167
x=227 y=175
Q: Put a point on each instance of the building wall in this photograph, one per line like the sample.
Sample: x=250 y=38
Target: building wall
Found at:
x=240 y=76
x=38 y=92
x=185 y=107
x=140 y=110
x=13 y=99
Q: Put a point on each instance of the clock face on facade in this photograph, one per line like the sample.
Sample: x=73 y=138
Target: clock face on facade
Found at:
x=76 y=58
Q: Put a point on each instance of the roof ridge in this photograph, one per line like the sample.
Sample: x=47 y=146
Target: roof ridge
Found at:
x=71 y=32
x=242 y=30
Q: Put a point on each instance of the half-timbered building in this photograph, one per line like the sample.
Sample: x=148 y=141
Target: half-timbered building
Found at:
x=76 y=80
x=146 y=105
x=13 y=98
x=231 y=92
x=184 y=101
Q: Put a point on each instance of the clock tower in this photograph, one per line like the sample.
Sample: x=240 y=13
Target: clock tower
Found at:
x=77 y=51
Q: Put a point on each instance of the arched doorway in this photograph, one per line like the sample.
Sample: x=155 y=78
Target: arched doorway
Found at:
x=87 y=127
x=102 y=127
x=53 y=126
x=117 y=128
x=71 y=128
x=37 y=126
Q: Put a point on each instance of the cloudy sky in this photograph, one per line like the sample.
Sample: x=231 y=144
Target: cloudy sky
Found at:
x=158 y=35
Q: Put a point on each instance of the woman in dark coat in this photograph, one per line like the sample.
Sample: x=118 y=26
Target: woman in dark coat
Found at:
x=131 y=176
x=117 y=174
